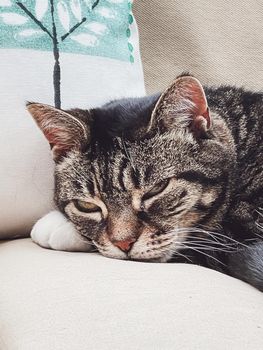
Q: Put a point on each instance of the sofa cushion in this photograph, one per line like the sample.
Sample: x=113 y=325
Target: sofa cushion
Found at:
x=218 y=41
x=53 y=300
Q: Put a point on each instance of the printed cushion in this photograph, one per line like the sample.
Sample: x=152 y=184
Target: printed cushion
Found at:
x=71 y=53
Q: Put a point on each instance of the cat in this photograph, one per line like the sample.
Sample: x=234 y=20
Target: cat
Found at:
x=173 y=177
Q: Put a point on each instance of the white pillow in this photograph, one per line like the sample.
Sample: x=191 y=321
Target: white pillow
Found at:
x=99 y=61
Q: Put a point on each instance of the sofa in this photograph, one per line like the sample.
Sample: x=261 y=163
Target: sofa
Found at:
x=52 y=300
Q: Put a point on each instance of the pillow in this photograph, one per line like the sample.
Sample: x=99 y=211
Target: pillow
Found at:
x=71 y=53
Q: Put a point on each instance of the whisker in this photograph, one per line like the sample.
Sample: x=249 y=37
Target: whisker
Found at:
x=208 y=247
x=259 y=225
x=85 y=240
x=183 y=255
x=214 y=235
x=259 y=235
x=229 y=238
x=201 y=252
x=161 y=247
x=203 y=239
x=197 y=230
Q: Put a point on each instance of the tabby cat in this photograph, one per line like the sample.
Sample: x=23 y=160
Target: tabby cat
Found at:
x=175 y=177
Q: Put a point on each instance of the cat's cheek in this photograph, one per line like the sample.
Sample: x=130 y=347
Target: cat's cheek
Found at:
x=189 y=219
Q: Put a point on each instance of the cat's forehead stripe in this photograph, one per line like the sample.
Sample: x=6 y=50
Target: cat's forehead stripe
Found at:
x=115 y=174
x=124 y=164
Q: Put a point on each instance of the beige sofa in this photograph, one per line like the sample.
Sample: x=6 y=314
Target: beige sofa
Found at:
x=75 y=301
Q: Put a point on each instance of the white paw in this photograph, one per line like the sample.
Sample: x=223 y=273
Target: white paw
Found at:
x=54 y=231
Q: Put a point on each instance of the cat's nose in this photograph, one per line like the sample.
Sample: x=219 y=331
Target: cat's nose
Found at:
x=125 y=245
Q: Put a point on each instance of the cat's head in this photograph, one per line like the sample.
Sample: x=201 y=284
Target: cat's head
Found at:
x=137 y=176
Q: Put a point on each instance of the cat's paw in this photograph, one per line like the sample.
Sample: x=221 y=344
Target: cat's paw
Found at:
x=54 y=231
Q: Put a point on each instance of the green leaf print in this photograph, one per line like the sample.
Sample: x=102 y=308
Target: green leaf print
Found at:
x=91 y=27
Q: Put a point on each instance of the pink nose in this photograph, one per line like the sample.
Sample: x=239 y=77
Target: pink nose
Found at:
x=126 y=245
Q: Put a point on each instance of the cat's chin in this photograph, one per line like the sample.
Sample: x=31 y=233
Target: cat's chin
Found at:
x=145 y=260
x=137 y=257
x=139 y=252
x=151 y=260
x=162 y=259
x=116 y=253
x=116 y=256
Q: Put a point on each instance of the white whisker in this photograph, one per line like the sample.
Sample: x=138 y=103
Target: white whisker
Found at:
x=206 y=239
x=183 y=255
x=201 y=252
x=215 y=235
x=199 y=244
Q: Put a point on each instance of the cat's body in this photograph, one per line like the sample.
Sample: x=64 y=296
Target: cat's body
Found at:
x=162 y=178
x=243 y=112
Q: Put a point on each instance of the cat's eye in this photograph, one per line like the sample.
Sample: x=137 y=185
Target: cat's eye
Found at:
x=157 y=189
x=87 y=207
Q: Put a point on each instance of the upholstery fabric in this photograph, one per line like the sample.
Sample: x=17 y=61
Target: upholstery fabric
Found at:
x=99 y=61
x=53 y=300
x=220 y=42
x=77 y=301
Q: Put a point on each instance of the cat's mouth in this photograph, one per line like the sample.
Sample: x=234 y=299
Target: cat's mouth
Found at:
x=171 y=246
x=154 y=248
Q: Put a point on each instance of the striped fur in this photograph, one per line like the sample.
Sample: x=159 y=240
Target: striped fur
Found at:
x=208 y=210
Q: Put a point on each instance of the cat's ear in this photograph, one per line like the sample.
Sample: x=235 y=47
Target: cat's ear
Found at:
x=63 y=130
x=182 y=105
